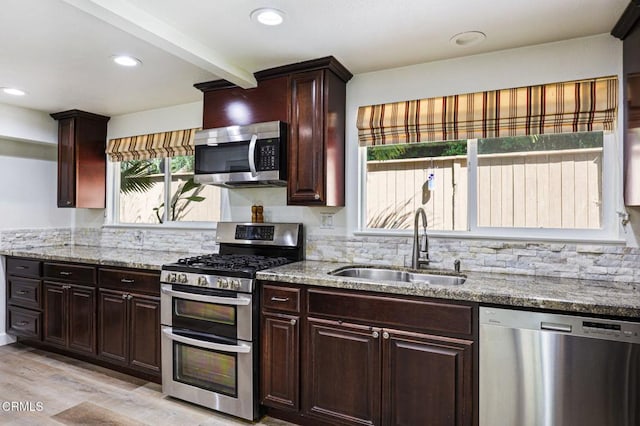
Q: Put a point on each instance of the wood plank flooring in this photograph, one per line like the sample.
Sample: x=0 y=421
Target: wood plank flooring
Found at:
x=42 y=388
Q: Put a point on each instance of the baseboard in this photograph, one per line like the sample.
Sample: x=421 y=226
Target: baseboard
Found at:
x=5 y=339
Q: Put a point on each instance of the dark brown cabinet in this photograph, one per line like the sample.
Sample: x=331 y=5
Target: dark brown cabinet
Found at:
x=129 y=323
x=81 y=159
x=129 y=332
x=280 y=341
x=310 y=96
x=70 y=316
x=109 y=316
x=367 y=358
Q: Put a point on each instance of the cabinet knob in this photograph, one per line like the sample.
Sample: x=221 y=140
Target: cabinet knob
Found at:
x=385 y=335
x=375 y=334
x=293 y=322
x=68 y=203
x=124 y=296
x=316 y=196
x=129 y=297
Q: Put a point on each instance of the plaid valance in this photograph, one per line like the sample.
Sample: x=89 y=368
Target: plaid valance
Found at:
x=550 y=108
x=156 y=145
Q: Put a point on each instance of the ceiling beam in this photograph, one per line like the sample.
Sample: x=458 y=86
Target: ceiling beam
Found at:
x=139 y=23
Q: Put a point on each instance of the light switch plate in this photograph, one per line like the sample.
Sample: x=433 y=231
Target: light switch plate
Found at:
x=326 y=220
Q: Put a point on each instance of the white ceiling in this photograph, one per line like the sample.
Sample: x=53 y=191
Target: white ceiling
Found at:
x=59 y=50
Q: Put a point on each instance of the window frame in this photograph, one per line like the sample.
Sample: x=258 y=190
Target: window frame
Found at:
x=112 y=219
x=611 y=205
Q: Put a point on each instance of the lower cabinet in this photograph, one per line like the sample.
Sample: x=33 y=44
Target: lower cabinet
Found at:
x=70 y=316
x=129 y=332
x=355 y=358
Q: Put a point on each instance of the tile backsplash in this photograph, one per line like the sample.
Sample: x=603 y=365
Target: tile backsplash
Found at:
x=588 y=261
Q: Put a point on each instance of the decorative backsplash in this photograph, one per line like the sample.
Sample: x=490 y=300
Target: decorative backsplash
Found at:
x=587 y=261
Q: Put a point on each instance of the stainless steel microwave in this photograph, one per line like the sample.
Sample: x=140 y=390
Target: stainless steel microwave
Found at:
x=242 y=156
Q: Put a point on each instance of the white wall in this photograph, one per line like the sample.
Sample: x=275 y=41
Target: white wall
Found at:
x=26 y=124
x=28 y=192
x=587 y=57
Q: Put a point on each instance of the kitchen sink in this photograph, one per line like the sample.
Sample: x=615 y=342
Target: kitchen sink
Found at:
x=388 y=274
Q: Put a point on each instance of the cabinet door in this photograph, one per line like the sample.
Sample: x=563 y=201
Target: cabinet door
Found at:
x=280 y=381
x=113 y=333
x=144 y=333
x=426 y=380
x=306 y=148
x=82 y=318
x=55 y=314
x=342 y=381
x=66 y=163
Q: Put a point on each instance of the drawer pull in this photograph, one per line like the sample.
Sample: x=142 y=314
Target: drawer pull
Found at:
x=127 y=281
x=279 y=299
x=21 y=267
x=22 y=323
x=65 y=273
x=21 y=292
x=66 y=287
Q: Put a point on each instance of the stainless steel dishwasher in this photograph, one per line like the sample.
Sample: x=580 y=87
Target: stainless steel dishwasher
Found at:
x=539 y=369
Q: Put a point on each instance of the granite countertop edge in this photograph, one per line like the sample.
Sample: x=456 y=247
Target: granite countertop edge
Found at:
x=511 y=290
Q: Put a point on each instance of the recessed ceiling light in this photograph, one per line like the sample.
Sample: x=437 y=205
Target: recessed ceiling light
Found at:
x=268 y=16
x=126 y=61
x=13 y=91
x=467 y=38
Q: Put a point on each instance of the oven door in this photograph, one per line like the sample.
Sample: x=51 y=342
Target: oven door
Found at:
x=215 y=373
x=221 y=313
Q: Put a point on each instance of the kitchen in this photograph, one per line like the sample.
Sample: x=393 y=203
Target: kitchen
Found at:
x=334 y=233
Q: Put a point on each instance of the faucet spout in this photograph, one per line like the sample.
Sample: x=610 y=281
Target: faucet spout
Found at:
x=420 y=256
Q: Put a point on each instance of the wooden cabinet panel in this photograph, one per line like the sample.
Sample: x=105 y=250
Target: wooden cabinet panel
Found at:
x=280 y=371
x=130 y=281
x=81 y=159
x=144 y=333
x=24 y=322
x=55 y=314
x=426 y=380
x=113 y=342
x=82 y=319
x=391 y=311
x=284 y=299
x=306 y=150
x=24 y=292
x=70 y=272
x=343 y=372
x=23 y=267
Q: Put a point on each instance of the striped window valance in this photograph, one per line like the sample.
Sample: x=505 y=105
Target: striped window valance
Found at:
x=574 y=106
x=156 y=145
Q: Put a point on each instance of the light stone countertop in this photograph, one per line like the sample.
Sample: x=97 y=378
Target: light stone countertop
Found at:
x=525 y=291
x=108 y=256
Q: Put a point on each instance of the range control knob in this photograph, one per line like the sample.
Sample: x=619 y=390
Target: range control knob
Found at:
x=202 y=281
x=235 y=284
x=172 y=277
x=182 y=278
x=222 y=283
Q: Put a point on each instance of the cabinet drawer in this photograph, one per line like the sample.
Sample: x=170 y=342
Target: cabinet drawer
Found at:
x=23 y=267
x=24 y=292
x=23 y=322
x=133 y=281
x=281 y=298
x=67 y=272
x=392 y=312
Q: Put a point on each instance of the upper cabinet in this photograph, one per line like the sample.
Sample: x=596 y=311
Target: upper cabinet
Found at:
x=628 y=29
x=81 y=159
x=310 y=96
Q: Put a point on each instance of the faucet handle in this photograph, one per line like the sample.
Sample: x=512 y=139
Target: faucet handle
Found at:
x=456 y=265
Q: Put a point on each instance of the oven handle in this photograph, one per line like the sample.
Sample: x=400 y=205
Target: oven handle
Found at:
x=239 y=301
x=252 y=155
x=241 y=349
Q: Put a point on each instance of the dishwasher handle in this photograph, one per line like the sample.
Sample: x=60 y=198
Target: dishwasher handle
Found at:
x=552 y=326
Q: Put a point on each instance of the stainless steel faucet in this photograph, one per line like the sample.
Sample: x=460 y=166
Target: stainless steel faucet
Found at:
x=420 y=246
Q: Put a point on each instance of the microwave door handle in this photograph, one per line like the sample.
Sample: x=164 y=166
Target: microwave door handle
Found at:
x=237 y=301
x=241 y=349
x=252 y=155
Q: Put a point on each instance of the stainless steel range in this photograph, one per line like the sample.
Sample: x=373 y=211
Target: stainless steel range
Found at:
x=210 y=316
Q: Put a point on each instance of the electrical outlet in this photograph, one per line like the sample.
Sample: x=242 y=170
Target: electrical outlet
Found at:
x=326 y=220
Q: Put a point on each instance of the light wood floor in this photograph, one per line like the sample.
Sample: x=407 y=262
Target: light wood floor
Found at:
x=55 y=389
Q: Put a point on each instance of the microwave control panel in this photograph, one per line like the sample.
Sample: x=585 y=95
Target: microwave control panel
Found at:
x=267 y=153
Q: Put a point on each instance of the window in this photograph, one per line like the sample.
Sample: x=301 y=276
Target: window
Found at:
x=147 y=186
x=523 y=185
